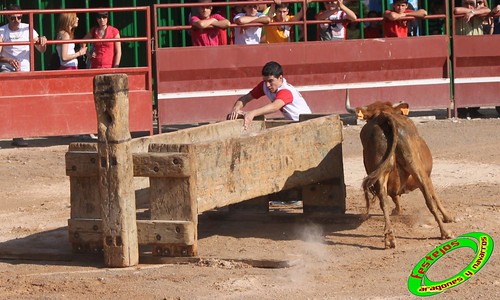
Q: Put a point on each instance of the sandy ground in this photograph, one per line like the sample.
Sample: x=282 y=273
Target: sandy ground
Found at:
x=331 y=258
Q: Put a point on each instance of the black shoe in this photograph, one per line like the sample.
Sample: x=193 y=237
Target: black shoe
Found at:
x=497 y=108
x=19 y=142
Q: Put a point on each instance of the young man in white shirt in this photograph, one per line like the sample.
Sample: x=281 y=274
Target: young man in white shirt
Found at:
x=283 y=96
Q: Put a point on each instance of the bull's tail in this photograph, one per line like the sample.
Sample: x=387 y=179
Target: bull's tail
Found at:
x=370 y=181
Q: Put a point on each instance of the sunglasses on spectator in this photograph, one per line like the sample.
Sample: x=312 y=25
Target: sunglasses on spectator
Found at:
x=13 y=18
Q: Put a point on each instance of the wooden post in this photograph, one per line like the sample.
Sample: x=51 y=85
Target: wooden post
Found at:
x=116 y=175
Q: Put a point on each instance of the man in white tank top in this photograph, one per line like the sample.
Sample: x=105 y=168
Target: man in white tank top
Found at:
x=283 y=97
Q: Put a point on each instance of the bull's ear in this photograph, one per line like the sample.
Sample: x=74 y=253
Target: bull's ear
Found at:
x=404 y=108
x=362 y=113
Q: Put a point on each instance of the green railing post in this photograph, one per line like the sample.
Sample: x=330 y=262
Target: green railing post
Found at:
x=362 y=24
x=40 y=32
x=183 y=32
x=170 y=23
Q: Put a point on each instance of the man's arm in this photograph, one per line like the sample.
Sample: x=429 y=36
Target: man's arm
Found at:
x=222 y=24
x=118 y=52
x=41 y=44
x=417 y=14
x=468 y=14
x=300 y=14
x=272 y=9
x=393 y=16
x=272 y=107
x=202 y=24
x=238 y=105
x=465 y=11
x=249 y=19
x=14 y=63
x=351 y=16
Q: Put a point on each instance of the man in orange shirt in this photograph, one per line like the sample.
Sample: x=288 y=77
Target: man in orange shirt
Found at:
x=393 y=25
x=278 y=12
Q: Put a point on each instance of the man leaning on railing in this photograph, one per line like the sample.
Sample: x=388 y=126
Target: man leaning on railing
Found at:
x=16 y=58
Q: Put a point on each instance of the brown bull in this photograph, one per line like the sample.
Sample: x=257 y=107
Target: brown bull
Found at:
x=397 y=160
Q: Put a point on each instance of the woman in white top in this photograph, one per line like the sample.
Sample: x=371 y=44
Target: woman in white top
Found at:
x=67 y=55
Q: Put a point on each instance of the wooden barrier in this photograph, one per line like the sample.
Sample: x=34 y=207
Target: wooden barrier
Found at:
x=477 y=69
x=54 y=103
x=198 y=169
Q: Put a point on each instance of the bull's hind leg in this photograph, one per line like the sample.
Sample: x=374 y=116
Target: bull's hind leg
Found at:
x=397 y=210
x=389 y=239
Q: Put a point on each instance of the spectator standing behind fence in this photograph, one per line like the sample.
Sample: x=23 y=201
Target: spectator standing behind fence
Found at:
x=208 y=29
x=279 y=12
x=373 y=29
x=335 y=11
x=283 y=96
x=496 y=26
x=68 y=58
x=104 y=54
x=436 y=26
x=393 y=25
x=249 y=35
x=487 y=20
x=16 y=58
x=469 y=21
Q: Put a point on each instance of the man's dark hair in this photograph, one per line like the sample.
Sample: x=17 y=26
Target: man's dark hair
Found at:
x=282 y=5
x=13 y=7
x=272 y=68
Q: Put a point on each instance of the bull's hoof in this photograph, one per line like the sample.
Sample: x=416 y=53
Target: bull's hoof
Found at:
x=448 y=219
x=445 y=235
x=390 y=241
x=396 y=211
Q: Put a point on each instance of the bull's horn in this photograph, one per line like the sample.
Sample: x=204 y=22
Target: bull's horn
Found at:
x=398 y=103
x=348 y=103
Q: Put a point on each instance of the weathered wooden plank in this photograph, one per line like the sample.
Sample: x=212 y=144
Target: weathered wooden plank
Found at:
x=81 y=164
x=194 y=135
x=175 y=199
x=116 y=175
x=84 y=192
x=150 y=232
x=259 y=163
x=168 y=232
x=162 y=165
x=85 y=164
